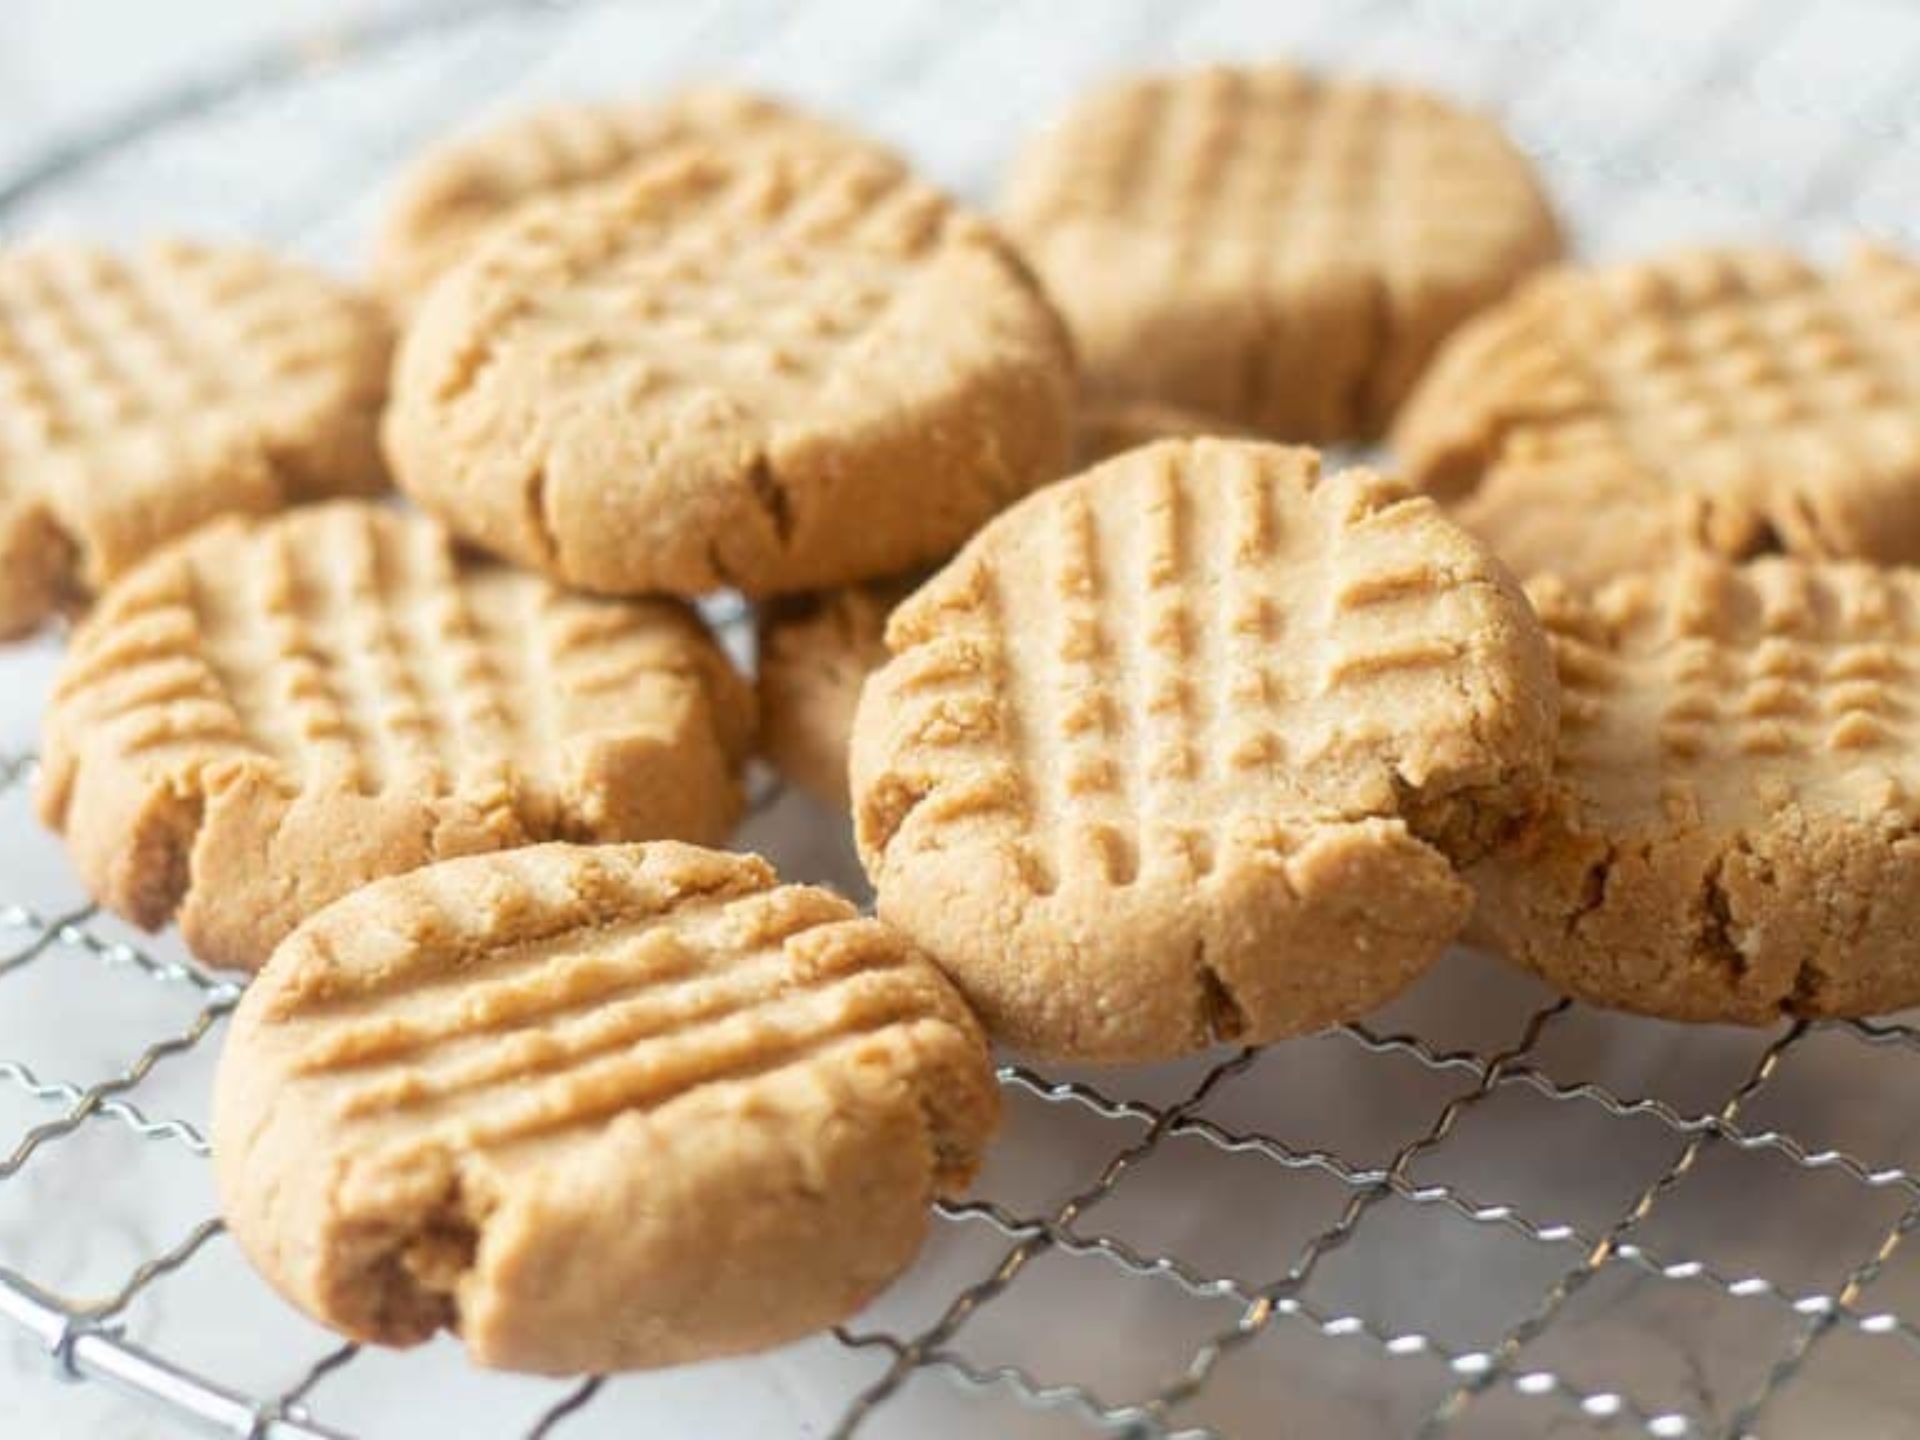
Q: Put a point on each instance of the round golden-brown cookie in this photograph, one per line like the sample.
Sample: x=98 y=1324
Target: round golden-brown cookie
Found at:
x=457 y=190
x=815 y=653
x=781 y=370
x=1740 y=401
x=594 y=1108
x=1277 y=249
x=1731 y=831
x=142 y=393
x=269 y=713
x=1186 y=748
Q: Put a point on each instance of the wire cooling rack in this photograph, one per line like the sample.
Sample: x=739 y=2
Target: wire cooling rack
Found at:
x=1487 y=1211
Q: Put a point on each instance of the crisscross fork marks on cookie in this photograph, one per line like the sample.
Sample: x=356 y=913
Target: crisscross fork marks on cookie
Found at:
x=458 y=191
x=779 y=233
x=1744 y=349
x=715 y=985
x=95 y=346
x=1772 y=678
x=310 y=659
x=491 y=1093
x=1737 y=399
x=1730 y=833
x=1270 y=247
x=711 y=370
x=1213 y=669
x=1235 y=152
x=87 y=348
x=281 y=710
x=144 y=394
x=952 y=673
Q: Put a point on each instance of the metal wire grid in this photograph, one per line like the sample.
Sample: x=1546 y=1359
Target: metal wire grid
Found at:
x=1829 y=165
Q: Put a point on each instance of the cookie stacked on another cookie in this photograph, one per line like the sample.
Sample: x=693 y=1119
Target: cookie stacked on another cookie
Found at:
x=1188 y=748
x=1737 y=402
x=1278 y=250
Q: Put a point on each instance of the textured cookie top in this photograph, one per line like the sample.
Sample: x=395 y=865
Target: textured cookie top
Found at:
x=1140 y=685
x=722 y=367
x=815 y=654
x=1717 y=695
x=1377 y=214
x=141 y=393
x=1749 y=400
x=482 y=1094
x=457 y=190
x=1729 y=832
x=341 y=664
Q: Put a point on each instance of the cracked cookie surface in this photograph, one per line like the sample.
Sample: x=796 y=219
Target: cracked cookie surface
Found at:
x=594 y=1108
x=1608 y=420
x=1276 y=249
x=143 y=393
x=1733 y=828
x=775 y=371
x=1187 y=748
x=458 y=190
x=271 y=712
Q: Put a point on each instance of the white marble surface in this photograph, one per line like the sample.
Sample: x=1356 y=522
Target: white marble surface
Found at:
x=1656 y=122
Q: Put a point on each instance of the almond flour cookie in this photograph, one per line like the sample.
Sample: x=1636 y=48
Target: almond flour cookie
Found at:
x=778 y=371
x=1187 y=748
x=594 y=1108
x=270 y=713
x=815 y=653
x=143 y=393
x=1276 y=249
x=1739 y=401
x=1732 y=827
x=457 y=190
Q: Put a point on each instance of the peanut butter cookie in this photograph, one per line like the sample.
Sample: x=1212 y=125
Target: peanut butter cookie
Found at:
x=593 y=1108
x=1187 y=749
x=1738 y=401
x=1278 y=250
x=777 y=371
x=1731 y=833
x=143 y=393
x=270 y=713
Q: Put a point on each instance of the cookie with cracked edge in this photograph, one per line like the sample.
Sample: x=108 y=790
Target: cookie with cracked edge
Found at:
x=1740 y=401
x=1731 y=830
x=594 y=1108
x=142 y=393
x=1188 y=749
x=1281 y=250
x=459 y=189
x=272 y=712
x=776 y=371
